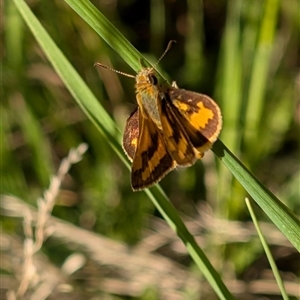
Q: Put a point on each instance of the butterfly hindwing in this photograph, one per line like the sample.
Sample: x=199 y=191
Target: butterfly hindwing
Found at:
x=131 y=134
x=198 y=114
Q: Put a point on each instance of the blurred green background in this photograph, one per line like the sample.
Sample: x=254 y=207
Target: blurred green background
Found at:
x=244 y=54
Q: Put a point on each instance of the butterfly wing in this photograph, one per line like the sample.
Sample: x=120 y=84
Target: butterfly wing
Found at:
x=131 y=134
x=151 y=161
x=199 y=115
x=176 y=139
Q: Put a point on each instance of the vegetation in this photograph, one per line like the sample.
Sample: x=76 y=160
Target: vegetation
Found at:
x=245 y=59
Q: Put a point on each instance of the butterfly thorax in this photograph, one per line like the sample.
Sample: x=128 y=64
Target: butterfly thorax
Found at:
x=147 y=94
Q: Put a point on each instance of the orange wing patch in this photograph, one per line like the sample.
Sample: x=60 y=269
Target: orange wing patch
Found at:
x=199 y=115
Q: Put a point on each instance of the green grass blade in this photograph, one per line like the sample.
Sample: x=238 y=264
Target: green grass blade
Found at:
x=268 y=252
x=11 y=176
x=103 y=122
x=171 y=216
x=33 y=135
x=231 y=77
x=229 y=94
x=259 y=75
x=280 y=215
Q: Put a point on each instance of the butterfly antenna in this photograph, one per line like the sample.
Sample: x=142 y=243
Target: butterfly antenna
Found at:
x=165 y=52
x=111 y=69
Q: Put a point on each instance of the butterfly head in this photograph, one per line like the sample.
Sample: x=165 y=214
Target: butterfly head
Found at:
x=146 y=79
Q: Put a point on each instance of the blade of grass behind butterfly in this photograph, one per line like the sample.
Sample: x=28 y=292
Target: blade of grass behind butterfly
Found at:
x=258 y=78
x=229 y=93
x=106 y=126
x=267 y=251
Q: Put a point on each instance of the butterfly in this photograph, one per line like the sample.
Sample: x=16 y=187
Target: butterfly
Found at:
x=171 y=127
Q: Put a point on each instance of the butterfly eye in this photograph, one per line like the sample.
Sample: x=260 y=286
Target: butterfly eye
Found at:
x=153 y=80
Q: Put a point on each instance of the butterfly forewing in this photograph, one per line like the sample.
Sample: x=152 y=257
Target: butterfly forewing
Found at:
x=177 y=141
x=151 y=160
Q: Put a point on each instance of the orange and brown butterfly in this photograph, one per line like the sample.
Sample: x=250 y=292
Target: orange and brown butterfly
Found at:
x=171 y=127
